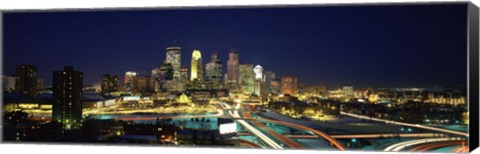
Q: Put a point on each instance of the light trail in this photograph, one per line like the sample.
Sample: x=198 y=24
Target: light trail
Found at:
x=463 y=149
x=405 y=124
x=257 y=133
x=418 y=135
x=425 y=147
x=286 y=140
x=402 y=145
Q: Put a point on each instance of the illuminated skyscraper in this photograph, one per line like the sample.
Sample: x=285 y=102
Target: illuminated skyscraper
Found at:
x=233 y=72
x=174 y=57
x=259 y=80
x=129 y=80
x=247 y=78
x=110 y=83
x=269 y=77
x=289 y=85
x=196 y=70
x=26 y=82
x=67 y=92
x=213 y=71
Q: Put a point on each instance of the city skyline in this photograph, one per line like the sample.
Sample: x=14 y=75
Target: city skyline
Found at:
x=369 y=78
x=425 y=60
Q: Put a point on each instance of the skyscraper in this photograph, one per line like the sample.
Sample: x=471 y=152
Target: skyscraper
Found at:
x=26 y=82
x=289 y=85
x=259 y=80
x=166 y=71
x=67 y=92
x=213 y=71
x=233 y=70
x=129 y=80
x=110 y=83
x=247 y=78
x=196 y=70
x=269 y=77
x=173 y=56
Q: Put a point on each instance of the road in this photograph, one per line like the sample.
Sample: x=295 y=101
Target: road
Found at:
x=406 y=124
x=403 y=145
x=253 y=130
x=427 y=147
x=285 y=140
x=416 y=135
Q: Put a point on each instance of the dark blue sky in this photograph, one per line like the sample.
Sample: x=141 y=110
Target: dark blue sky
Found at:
x=422 y=45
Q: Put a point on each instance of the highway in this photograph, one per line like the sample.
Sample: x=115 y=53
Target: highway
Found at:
x=406 y=124
x=290 y=143
x=426 y=147
x=415 y=135
x=252 y=129
x=403 y=145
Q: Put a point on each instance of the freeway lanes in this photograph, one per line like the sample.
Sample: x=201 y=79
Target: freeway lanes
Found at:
x=403 y=145
x=405 y=124
x=253 y=130
x=290 y=143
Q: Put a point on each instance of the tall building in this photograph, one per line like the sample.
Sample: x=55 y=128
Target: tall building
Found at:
x=174 y=58
x=110 y=83
x=67 y=92
x=196 y=69
x=9 y=83
x=269 y=77
x=247 y=78
x=144 y=84
x=26 y=82
x=233 y=72
x=166 y=71
x=184 y=74
x=213 y=71
x=40 y=84
x=276 y=86
x=259 y=80
x=129 y=80
x=289 y=85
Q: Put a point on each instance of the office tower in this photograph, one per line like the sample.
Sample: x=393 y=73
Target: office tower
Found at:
x=67 y=92
x=269 y=77
x=289 y=85
x=196 y=69
x=9 y=83
x=26 y=82
x=232 y=70
x=246 y=78
x=40 y=85
x=129 y=80
x=213 y=71
x=144 y=84
x=109 y=83
x=276 y=86
x=259 y=80
x=166 y=71
x=173 y=56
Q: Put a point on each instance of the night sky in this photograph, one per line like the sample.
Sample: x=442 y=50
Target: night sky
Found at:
x=403 y=46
